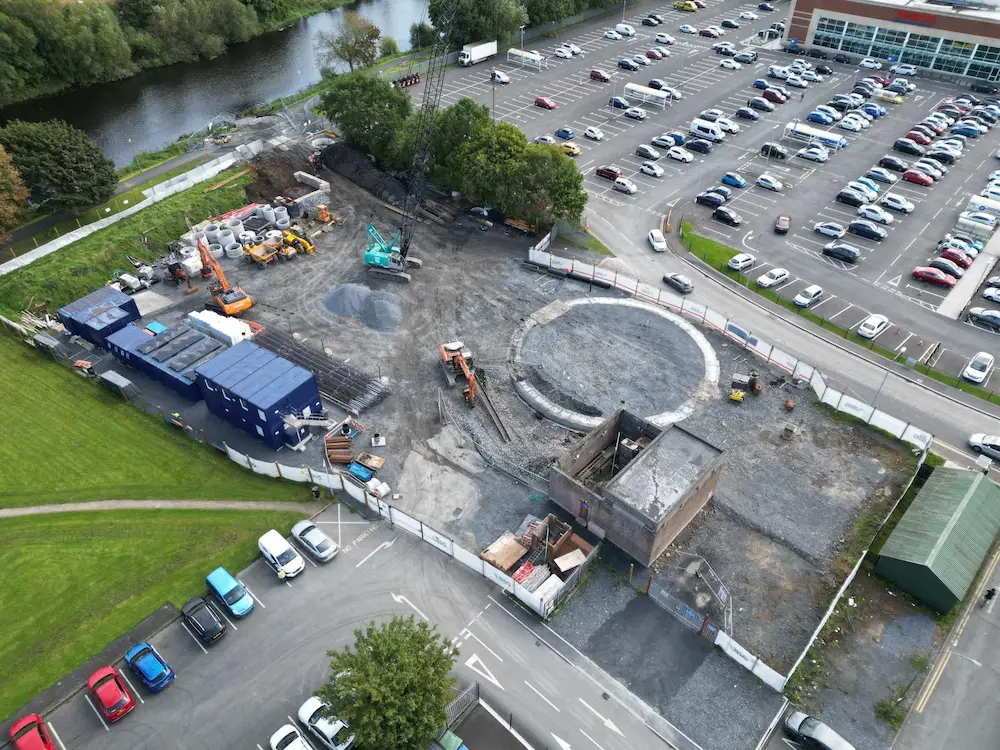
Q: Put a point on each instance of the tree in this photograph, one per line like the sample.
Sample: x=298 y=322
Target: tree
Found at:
x=552 y=186
x=388 y=47
x=355 y=42
x=393 y=686
x=475 y=20
x=12 y=193
x=491 y=166
x=422 y=35
x=544 y=11
x=58 y=163
x=368 y=110
x=135 y=13
x=454 y=126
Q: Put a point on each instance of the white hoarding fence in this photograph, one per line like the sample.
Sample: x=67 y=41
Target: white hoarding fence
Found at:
x=749 y=661
x=438 y=539
x=468 y=559
x=405 y=522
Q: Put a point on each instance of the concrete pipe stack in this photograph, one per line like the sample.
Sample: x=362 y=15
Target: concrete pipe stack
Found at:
x=215 y=251
x=280 y=214
x=212 y=233
x=188 y=251
x=226 y=237
x=283 y=224
x=234 y=250
x=235 y=226
x=272 y=239
x=267 y=214
x=248 y=238
x=203 y=238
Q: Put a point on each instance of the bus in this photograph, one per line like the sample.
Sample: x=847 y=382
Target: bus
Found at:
x=800 y=132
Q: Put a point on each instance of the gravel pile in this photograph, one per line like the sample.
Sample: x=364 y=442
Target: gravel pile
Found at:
x=378 y=310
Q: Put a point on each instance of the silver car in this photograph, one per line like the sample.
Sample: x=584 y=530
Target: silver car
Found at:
x=813 y=733
x=315 y=541
x=330 y=732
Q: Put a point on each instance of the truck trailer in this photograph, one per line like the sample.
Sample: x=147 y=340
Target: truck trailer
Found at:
x=476 y=53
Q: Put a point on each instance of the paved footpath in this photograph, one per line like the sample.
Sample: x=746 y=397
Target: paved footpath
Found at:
x=34 y=510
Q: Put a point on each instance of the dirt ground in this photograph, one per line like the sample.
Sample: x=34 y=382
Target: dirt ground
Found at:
x=274 y=174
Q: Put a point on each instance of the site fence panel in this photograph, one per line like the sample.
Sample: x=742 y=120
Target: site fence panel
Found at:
x=818 y=384
x=858 y=409
x=267 y=468
x=498 y=577
x=831 y=397
x=372 y=502
x=437 y=539
x=237 y=457
x=468 y=559
x=355 y=491
x=530 y=598
x=916 y=436
x=407 y=523
x=714 y=320
x=293 y=473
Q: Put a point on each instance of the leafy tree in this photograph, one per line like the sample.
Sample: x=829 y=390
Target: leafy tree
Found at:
x=20 y=64
x=552 y=186
x=136 y=13
x=491 y=166
x=475 y=20
x=393 y=686
x=265 y=8
x=367 y=109
x=454 y=126
x=58 y=163
x=12 y=193
x=355 y=42
x=544 y=11
x=422 y=35
x=387 y=47
x=404 y=143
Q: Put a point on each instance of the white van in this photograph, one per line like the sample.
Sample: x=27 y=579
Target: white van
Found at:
x=623 y=185
x=280 y=556
x=776 y=71
x=625 y=30
x=707 y=130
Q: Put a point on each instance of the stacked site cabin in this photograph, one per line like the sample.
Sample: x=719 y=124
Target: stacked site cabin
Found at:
x=254 y=390
x=99 y=314
x=168 y=357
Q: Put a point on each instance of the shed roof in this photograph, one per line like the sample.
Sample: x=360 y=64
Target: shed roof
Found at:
x=949 y=528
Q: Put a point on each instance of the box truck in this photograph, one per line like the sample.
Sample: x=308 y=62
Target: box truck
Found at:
x=476 y=53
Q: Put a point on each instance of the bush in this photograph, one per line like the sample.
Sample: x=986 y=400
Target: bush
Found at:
x=387 y=47
x=421 y=35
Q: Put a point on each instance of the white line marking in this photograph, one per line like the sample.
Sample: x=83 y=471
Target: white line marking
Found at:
x=98 y=713
x=400 y=599
x=253 y=595
x=476 y=665
x=535 y=691
x=607 y=722
x=226 y=618
x=383 y=545
x=54 y=733
x=469 y=634
x=502 y=720
x=200 y=645
x=129 y=683
x=591 y=739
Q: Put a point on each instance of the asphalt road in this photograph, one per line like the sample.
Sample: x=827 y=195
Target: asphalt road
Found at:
x=238 y=691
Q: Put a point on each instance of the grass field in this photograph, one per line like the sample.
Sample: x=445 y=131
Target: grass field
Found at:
x=87 y=264
x=76 y=581
x=68 y=440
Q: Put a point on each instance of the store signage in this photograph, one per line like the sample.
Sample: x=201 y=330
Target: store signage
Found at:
x=916 y=18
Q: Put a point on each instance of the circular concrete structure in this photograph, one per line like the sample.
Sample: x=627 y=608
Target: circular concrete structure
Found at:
x=578 y=361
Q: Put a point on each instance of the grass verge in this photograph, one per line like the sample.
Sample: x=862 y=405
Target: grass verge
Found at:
x=88 y=263
x=124 y=566
x=717 y=255
x=81 y=443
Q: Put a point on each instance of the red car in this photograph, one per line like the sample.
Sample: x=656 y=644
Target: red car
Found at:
x=956 y=257
x=599 y=75
x=609 y=173
x=773 y=95
x=933 y=276
x=781 y=225
x=951 y=105
x=935 y=126
x=699 y=4
x=29 y=733
x=917 y=137
x=544 y=102
x=917 y=177
x=109 y=694
x=653 y=55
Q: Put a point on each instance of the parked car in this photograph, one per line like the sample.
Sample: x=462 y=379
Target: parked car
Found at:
x=980 y=367
x=647 y=152
x=30 y=733
x=873 y=326
x=774 y=151
x=544 y=102
x=867 y=229
x=288 y=738
x=808 y=296
x=652 y=169
x=761 y=104
x=734 y=179
x=830 y=229
x=851 y=198
x=810 y=732
x=279 y=555
x=742 y=261
x=957 y=257
x=315 y=541
x=202 y=620
x=566 y=133
x=876 y=214
x=985 y=317
x=917 y=177
x=152 y=669
x=109 y=695
x=599 y=75
x=229 y=592
x=907 y=146
x=727 y=216
x=594 y=133
x=699 y=145
x=330 y=732
x=816 y=154
x=842 y=251
x=770 y=182
x=745 y=113
x=626 y=64
x=680 y=154
x=662 y=141
x=712 y=200
x=773 y=278
x=943 y=264
x=681 y=283
x=933 y=276
x=893 y=163
x=636 y=113
x=988 y=445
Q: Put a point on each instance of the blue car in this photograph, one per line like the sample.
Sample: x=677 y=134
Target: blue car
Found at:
x=868 y=182
x=229 y=592
x=566 y=134
x=151 y=669
x=760 y=83
x=821 y=117
x=966 y=130
x=872 y=109
x=735 y=179
x=679 y=138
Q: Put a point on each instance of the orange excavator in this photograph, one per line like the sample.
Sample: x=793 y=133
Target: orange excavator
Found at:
x=457 y=360
x=226 y=299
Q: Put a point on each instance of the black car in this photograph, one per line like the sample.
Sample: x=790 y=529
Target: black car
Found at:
x=728 y=24
x=766 y=6
x=984 y=88
x=818 y=53
x=941 y=156
x=906 y=146
x=657 y=83
x=985 y=317
x=650 y=22
x=865 y=91
x=713 y=200
x=791 y=49
x=759 y=102
x=943 y=264
x=682 y=284
x=842 y=58
x=850 y=198
x=628 y=65
x=986 y=115
x=727 y=216
x=745 y=57
x=774 y=151
x=699 y=145
x=745 y=113
x=840 y=106
x=867 y=230
x=898 y=88
x=893 y=163
x=726 y=51
x=824 y=70
x=203 y=621
x=842 y=251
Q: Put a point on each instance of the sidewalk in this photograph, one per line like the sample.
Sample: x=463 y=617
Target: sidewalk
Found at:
x=34 y=510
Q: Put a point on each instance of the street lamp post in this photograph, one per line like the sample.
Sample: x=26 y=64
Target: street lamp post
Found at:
x=623 y=11
x=522 y=46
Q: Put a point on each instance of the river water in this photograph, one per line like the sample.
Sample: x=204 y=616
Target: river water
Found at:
x=155 y=107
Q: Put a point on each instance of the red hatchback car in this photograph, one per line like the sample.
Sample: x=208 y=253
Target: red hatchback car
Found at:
x=917 y=177
x=933 y=276
x=544 y=102
x=653 y=55
x=29 y=733
x=917 y=137
x=109 y=694
x=599 y=75
x=781 y=225
x=773 y=95
x=956 y=257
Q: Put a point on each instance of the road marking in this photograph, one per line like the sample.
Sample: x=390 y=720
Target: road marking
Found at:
x=482 y=670
x=563 y=744
x=226 y=618
x=361 y=537
x=400 y=599
x=200 y=645
x=98 y=713
x=607 y=722
x=253 y=595
x=591 y=739
x=54 y=733
x=469 y=634
x=553 y=705
x=305 y=555
x=383 y=545
x=502 y=720
x=129 y=683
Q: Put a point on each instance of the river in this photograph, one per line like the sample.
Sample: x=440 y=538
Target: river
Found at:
x=152 y=109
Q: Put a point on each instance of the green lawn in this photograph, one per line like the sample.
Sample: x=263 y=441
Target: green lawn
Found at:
x=76 y=581
x=87 y=264
x=68 y=440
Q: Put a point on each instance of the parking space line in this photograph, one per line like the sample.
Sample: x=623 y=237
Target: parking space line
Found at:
x=54 y=733
x=200 y=645
x=253 y=595
x=129 y=683
x=842 y=311
x=226 y=618
x=305 y=555
x=96 y=713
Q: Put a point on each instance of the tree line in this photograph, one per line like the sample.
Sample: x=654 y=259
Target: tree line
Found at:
x=46 y=45
x=491 y=162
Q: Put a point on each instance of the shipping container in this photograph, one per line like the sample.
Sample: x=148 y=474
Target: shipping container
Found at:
x=77 y=316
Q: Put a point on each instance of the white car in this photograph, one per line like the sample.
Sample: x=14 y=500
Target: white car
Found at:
x=850 y=125
x=498 y=76
x=808 y=296
x=979 y=217
x=563 y=53
x=772 y=278
x=672 y=93
x=875 y=213
x=857 y=120
x=680 y=154
x=796 y=82
x=688 y=29
x=573 y=49
x=330 y=733
x=992 y=294
x=897 y=203
x=717 y=29
x=979 y=367
x=995 y=175
x=770 y=182
x=652 y=169
x=657 y=241
x=988 y=445
x=288 y=738
x=544 y=139
x=663 y=51
x=612 y=34
x=749 y=15
x=871 y=63
x=903 y=69
x=594 y=134
x=640 y=60
x=811 y=76
x=865 y=190
x=727 y=125
x=625 y=185
x=662 y=38
x=279 y=555
x=830 y=229
x=636 y=113
x=742 y=261
x=817 y=154
x=873 y=326
x=730 y=65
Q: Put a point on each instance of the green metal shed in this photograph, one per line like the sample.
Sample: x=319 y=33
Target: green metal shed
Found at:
x=939 y=545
